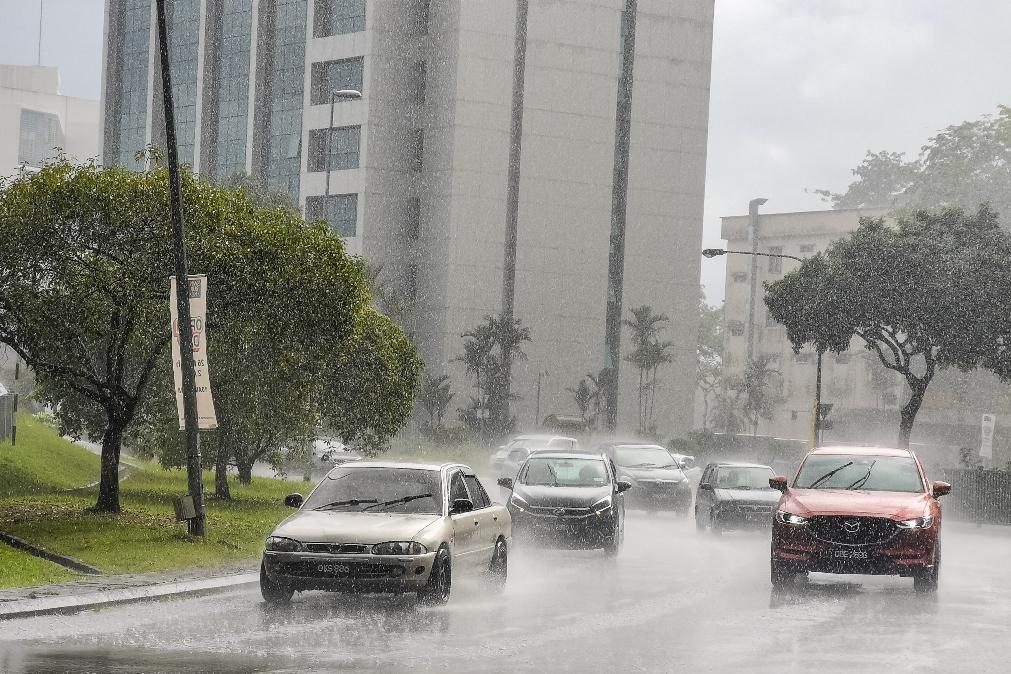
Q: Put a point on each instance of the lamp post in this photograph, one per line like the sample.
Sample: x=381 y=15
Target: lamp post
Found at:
x=537 y=414
x=345 y=95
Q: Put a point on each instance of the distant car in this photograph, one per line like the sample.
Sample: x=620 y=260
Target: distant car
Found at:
x=388 y=527
x=859 y=510
x=507 y=460
x=689 y=468
x=568 y=500
x=735 y=496
x=657 y=480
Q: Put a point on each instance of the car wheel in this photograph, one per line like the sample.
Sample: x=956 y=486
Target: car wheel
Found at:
x=781 y=576
x=700 y=523
x=499 y=569
x=273 y=592
x=715 y=527
x=612 y=544
x=926 y=579
x=440 y=582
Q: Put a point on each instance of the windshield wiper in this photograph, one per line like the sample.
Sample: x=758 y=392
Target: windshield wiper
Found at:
x=554 y=475
x=348 y=502
x=863 y=480
x=648 y=464
x=397 y=501
x=827 y=476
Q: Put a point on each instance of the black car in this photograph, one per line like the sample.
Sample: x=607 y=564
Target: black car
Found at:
x=568 y=500
x=658 y=482
x=735 y=496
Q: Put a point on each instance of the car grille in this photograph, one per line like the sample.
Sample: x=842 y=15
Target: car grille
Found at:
x=843 y=530
x=754 y=509
x=559 y=512
x=660 y=485
x=337 y=548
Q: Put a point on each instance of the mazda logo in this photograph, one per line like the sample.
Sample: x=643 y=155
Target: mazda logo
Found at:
x=559 y=512
x=851 y=527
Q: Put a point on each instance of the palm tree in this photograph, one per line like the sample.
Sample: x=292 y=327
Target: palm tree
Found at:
x=645 y=327
x=760 y=393
x=582 y=396
x=483 y=357
x=435 y=398
x=599 y=384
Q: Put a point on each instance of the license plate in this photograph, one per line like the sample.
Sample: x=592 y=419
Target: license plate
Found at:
x=335 y=569
x=850 y=554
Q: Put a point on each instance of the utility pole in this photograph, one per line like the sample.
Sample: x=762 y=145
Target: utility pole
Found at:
x=39 y=55
x=753 y=233
x=513 y=196
x=194 y=478
x=619 y=204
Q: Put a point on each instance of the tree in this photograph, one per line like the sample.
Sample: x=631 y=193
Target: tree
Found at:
x=963 y=166
x=599 y=385
x=931 y=292
x=435 y=398
x=709 y=354
x=760 y=395
x=581 y=395
x=483 y=351
x=647 y=354
x=84 y=267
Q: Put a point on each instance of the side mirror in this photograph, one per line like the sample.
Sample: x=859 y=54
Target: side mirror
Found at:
x=705 y=486
x=294 y=500
x=778 y=483
x=506 y=482
x=940 y=489
x=461 y=506
x=623 y=485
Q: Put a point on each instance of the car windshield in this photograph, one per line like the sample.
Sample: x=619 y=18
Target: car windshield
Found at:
x=559 y=472
x=866 y=473
x=643 y=457
x=744 y=477
x=379 y=490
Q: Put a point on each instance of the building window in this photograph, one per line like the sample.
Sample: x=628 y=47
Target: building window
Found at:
x=802 y=358
x=775 y=263
x=424 y=9
x=231 y=83
x=793 y=415
x=807 y=248
x=338 y=17
x=842 y=358
x=330 y=76
x=344 y=145
x=736 y=328
x=417 y=150
x=771 y=322
x=412 y=227
x=131 y=123
x=341 y=213
x=419 y=82
x=39 y=137
x=411 y=282
x=740 y=277
x=284 y=125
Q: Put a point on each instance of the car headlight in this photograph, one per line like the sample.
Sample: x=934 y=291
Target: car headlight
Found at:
x=918 y=523
x=603 y=506
x=789 y=518
x=280 y=544
x=399 y=548
x=518 y=503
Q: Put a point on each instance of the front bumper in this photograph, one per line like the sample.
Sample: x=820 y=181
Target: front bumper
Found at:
x=354 y=573
x=905 y=553
x=587 y=532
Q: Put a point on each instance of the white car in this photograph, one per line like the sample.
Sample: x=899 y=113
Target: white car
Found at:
x=507 y=460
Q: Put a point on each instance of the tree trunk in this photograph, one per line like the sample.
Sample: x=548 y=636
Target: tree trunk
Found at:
x=221 y=469
x=642 y=409
x=908 y=413
x=652 y=399
x=705 y=410
x=108 y=488
x=245 y=471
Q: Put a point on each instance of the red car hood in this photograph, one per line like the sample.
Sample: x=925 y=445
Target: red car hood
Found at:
x=890 y=504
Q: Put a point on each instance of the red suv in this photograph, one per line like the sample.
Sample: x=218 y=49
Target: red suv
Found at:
x=858 y=510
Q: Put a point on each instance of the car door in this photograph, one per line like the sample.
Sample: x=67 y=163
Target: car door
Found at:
x=465 y=525
x=489 y=522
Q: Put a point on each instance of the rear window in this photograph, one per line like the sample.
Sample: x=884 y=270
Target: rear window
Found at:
x=859 y=472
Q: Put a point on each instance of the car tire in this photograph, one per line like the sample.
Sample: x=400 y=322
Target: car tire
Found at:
x=700 y=523
x=499 y=569
x=271 y=591
x=926 y=579
x=780 y=575
x=440 y=581
x=715 y=527
x=612 y=544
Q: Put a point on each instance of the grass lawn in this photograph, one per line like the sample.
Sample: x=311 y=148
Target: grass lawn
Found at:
x=19 y=569
x=145 y=536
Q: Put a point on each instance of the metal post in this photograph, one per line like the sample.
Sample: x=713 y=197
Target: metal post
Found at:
x=817 y=402
x=17 y=389
x=619 y=203
x=753 y=232
x=537 y=414
x=513 y=195
x=326 y=159
x=194 y=478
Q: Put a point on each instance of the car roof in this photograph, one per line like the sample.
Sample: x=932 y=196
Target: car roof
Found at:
x=637 y=445
x=862 y=451
x=566 y=454
x=737 y=464
x=399 y=464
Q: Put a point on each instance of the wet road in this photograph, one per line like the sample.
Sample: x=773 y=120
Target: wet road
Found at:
x=673 y=601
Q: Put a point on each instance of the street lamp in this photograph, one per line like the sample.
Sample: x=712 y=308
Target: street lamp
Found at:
x=716 y=252
x=344 y=95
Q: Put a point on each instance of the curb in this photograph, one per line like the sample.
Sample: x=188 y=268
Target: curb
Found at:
x=25 y=608
x=66 y=562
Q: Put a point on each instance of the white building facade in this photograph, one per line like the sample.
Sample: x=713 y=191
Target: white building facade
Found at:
x=417 y=167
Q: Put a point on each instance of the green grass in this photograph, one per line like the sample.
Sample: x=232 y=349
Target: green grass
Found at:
x=145 y=536
x=19 y=569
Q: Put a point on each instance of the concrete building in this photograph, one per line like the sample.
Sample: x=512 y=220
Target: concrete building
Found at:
x=37 y=121
x=865 y=396
x=417 y=167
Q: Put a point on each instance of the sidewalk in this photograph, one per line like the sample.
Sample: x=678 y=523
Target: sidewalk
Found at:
x=103 y=590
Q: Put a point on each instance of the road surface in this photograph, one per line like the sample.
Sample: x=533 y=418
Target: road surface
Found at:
x=674 y=601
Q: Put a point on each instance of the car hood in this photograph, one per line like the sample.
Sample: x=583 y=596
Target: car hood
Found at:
x=316 y=526
x=561 y=497
x=889 y=504
x=672 y=474
x=757 y=496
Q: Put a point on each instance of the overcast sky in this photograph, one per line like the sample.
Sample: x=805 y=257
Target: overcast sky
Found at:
x=801 y=89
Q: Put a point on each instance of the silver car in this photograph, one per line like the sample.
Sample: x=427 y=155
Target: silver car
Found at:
x=388 y=527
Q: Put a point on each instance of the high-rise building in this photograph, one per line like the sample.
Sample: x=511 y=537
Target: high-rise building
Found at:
x=417 y=167
x=37 y=122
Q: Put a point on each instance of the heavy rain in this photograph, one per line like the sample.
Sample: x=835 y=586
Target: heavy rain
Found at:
x=504 y=335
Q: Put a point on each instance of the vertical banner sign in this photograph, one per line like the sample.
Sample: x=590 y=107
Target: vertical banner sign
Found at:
x=986 y=445
x=197 y=287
